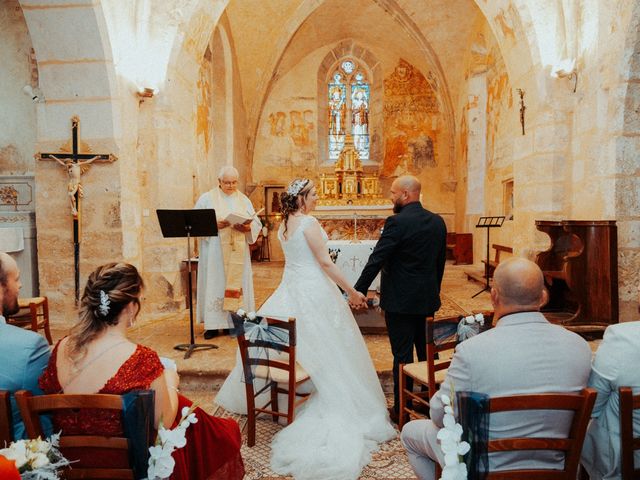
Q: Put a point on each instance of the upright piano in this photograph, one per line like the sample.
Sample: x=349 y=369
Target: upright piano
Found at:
x=581 y=273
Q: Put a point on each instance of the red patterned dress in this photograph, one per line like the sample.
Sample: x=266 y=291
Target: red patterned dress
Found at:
x=213 y=444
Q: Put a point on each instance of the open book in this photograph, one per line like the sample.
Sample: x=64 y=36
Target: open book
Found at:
x=235 y=217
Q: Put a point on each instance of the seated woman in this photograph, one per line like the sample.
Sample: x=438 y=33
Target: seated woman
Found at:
x=97 y=357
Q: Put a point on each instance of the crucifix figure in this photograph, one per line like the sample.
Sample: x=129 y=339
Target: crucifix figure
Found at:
x=76 y=164
x=75 y=171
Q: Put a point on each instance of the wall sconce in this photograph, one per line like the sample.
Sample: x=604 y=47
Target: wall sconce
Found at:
x=566 y=69
x=34 y=93
x=146 y=92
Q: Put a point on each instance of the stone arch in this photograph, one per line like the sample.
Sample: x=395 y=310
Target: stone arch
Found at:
x=76 y=77
x=348 y=49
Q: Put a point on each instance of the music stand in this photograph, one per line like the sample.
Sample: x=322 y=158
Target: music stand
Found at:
x=488 y=223
x=189 y=223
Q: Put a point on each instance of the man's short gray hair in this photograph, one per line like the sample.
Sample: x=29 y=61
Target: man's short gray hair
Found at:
x=228 y=171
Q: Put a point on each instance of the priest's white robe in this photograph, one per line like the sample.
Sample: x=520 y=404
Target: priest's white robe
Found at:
x=211 y=274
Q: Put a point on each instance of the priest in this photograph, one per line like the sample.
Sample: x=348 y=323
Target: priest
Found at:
x=225 y=281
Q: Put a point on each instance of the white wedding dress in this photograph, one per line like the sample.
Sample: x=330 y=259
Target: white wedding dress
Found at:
x=335 y=432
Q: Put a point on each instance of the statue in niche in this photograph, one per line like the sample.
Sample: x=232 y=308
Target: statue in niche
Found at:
x=275 y=203
x=75 y=171
x=337 y=111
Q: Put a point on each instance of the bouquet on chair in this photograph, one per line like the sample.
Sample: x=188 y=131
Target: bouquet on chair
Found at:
x=161 y=463
x=34 y=459
x=451 y=443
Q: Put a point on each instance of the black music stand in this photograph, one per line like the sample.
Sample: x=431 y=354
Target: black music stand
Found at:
x=488 y=223
x=189 y=223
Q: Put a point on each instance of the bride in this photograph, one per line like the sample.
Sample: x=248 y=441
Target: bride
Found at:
x=335 y=432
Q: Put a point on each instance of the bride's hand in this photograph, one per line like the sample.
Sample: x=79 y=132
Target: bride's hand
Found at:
x=357 y=300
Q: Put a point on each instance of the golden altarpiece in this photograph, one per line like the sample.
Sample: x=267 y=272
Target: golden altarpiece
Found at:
x=349 y=184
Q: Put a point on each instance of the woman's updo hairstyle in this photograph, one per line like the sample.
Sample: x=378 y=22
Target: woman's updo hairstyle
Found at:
x=109 y=289
x=293 y=198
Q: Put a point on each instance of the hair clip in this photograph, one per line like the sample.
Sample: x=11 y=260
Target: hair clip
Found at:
x=104 y=303
x=296 y=186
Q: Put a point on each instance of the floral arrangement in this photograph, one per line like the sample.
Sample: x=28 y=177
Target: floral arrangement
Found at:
x=451 y=443
x=161 y=463
x=36 y=459
x=470 y=326
x=251 y=316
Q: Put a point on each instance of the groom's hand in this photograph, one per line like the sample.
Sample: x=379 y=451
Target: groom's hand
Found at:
x=357 y=300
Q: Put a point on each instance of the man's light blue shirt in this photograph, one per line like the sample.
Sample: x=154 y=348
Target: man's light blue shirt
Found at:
x=23 y=357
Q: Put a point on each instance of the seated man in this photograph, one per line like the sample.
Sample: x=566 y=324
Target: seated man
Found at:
x=615 y=366
x=23 y=354
x=524 y=353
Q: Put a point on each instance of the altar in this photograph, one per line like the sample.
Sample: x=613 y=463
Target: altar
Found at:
x=352 y=257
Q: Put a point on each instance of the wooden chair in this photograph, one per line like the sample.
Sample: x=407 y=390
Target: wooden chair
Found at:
x=278 y=368
x=427 y=375
x=28 y=316
x=492 y=264
x=628 y=443
x=32 y=406
x=580 y=404
x=6 y=419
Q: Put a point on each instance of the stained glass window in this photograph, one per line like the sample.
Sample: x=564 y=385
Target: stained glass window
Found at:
x=348 y=67
x=348 y=114
x=337 y=116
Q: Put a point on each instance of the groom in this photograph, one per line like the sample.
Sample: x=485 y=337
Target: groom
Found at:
x=411 y=254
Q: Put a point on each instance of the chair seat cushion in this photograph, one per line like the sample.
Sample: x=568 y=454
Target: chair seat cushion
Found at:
x=280 y=376
x=419 y=371
x=24 y=302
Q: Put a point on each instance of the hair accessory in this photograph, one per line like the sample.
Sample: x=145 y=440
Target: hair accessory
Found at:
x=104 y=303
x=296 y=186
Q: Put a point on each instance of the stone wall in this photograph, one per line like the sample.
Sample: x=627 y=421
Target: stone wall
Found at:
x=18 y=110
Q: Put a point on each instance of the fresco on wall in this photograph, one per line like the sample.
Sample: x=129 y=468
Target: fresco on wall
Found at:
x=411 y=112
x=203 y=110
x=301 y=127
x=277 y=122
x=499 y=100
x=505 y=22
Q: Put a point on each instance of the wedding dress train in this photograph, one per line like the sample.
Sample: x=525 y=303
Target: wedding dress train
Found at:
x=335 y=432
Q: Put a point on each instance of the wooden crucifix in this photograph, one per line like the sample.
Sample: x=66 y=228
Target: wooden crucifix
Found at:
x=76 y=164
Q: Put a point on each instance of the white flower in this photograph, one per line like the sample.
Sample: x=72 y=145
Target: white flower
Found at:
x=174 y=437
x=449 y=421
x=17 y=452
x=162 y=467
x=241 y=312
x=251 y=315
x=470 y=319
x=39 y=460
x=41 y=446
x=479 y=318
x=450 y=438
x=161 y=463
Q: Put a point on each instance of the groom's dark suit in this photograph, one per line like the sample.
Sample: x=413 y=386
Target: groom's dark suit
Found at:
x=411 y=253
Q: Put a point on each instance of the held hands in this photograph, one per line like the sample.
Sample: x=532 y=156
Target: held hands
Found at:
x=357 y=300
